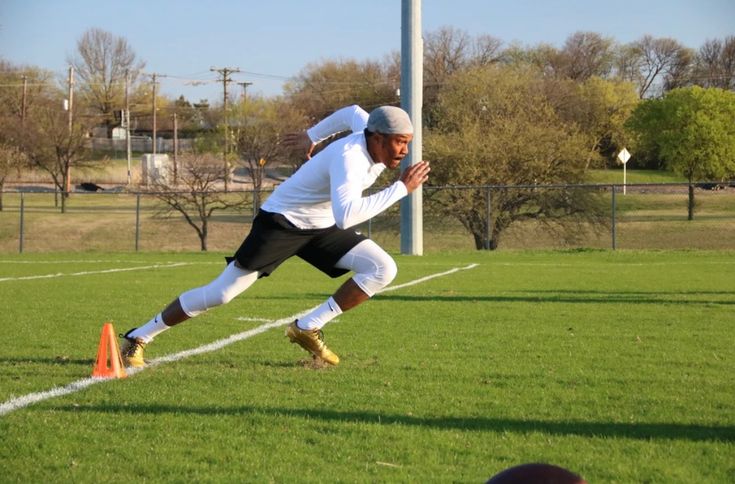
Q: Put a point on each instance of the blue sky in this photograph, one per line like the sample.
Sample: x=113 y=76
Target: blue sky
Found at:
x=271 y=40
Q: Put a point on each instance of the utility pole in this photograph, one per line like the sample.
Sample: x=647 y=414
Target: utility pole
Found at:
x=126 y=118
x=67 y=181
x=245 y=89
x=176 y=149
x=23 y=100
x=412 y=228
x=225 y=72
x=154 y=116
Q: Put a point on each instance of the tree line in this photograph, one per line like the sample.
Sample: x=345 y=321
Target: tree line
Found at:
x=493 y=114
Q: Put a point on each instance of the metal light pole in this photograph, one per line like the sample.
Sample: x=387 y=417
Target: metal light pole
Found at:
x=412 y=227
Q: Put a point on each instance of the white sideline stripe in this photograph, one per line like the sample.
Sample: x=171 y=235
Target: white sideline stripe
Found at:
x=257 y=320
x=86 y=273
x=26 y=400
x=429 y=277
x=91 y=261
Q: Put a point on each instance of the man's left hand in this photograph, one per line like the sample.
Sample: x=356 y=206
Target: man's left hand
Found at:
x=299 y=142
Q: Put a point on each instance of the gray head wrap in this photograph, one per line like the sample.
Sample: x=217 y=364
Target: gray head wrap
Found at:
x=389 y=120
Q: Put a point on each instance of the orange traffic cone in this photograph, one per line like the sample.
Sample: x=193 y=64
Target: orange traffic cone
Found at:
x=109 y=350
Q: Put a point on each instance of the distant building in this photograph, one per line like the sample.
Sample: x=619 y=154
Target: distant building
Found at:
x=154 y=168
x=119 y=133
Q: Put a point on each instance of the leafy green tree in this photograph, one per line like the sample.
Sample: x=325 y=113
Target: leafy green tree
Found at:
x=692 y=131
x=599 y=107
x=190 y=118
x=497 y=126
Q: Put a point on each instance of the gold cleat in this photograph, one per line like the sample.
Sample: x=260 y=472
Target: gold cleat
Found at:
x=131 y=350
x=312 y=341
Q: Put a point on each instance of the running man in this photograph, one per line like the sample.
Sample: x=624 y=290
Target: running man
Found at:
x=310 y=215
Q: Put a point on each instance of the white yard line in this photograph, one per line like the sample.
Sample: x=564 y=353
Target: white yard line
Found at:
x=87 y=273
x=26 y=400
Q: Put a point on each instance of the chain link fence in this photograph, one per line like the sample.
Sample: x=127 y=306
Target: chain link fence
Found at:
x=637 y=216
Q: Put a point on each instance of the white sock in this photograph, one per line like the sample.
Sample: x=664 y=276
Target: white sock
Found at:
x=150 y=329
x=320 y=316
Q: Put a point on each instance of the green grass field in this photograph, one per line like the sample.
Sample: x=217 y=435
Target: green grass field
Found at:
x=617 y=365
x=615 y=175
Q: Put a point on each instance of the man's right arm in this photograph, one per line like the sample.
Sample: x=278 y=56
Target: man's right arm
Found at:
x=352 y=118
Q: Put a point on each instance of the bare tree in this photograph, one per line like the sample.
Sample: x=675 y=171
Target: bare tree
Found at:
x=26 y=91
x=584 y=55
x=627 y=64
x=446 y=51
x=587 y=54
x=449 y=51
x=198 y=194
x=12 y=159
x=53 y=147
x=651 y=62
x=545 y=57
x=485 y=50
x=715 y=64
x=681 y=71
x=22 y=88
x=101 y=63
x=322 y=88
x=258 y=126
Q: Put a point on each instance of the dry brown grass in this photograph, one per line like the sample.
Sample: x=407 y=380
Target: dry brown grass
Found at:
x=106 y=222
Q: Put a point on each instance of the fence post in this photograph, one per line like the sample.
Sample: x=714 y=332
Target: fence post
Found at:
x=22 y=212
x=613 y=218
x=137 y=221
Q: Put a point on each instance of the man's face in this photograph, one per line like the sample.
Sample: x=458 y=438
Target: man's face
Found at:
x=393 y=148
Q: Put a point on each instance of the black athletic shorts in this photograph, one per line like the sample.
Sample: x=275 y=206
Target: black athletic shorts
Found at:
x=273 y=239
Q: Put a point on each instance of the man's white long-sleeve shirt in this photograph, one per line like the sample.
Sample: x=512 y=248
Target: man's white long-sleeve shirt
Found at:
x=327 y=189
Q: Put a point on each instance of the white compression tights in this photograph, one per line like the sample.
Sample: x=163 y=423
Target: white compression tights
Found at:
x=374 y=269
x=232 y=282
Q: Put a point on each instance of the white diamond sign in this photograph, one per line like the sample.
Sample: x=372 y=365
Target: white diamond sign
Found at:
x=624 y=156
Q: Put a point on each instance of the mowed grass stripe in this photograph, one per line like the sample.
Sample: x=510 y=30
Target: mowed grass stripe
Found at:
x=88 y=273
x=24 y=401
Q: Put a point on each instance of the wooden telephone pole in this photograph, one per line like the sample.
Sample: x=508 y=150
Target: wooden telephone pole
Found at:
x=67 y=179
x=224 y=73
x=154 y=75
x=126 y=118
